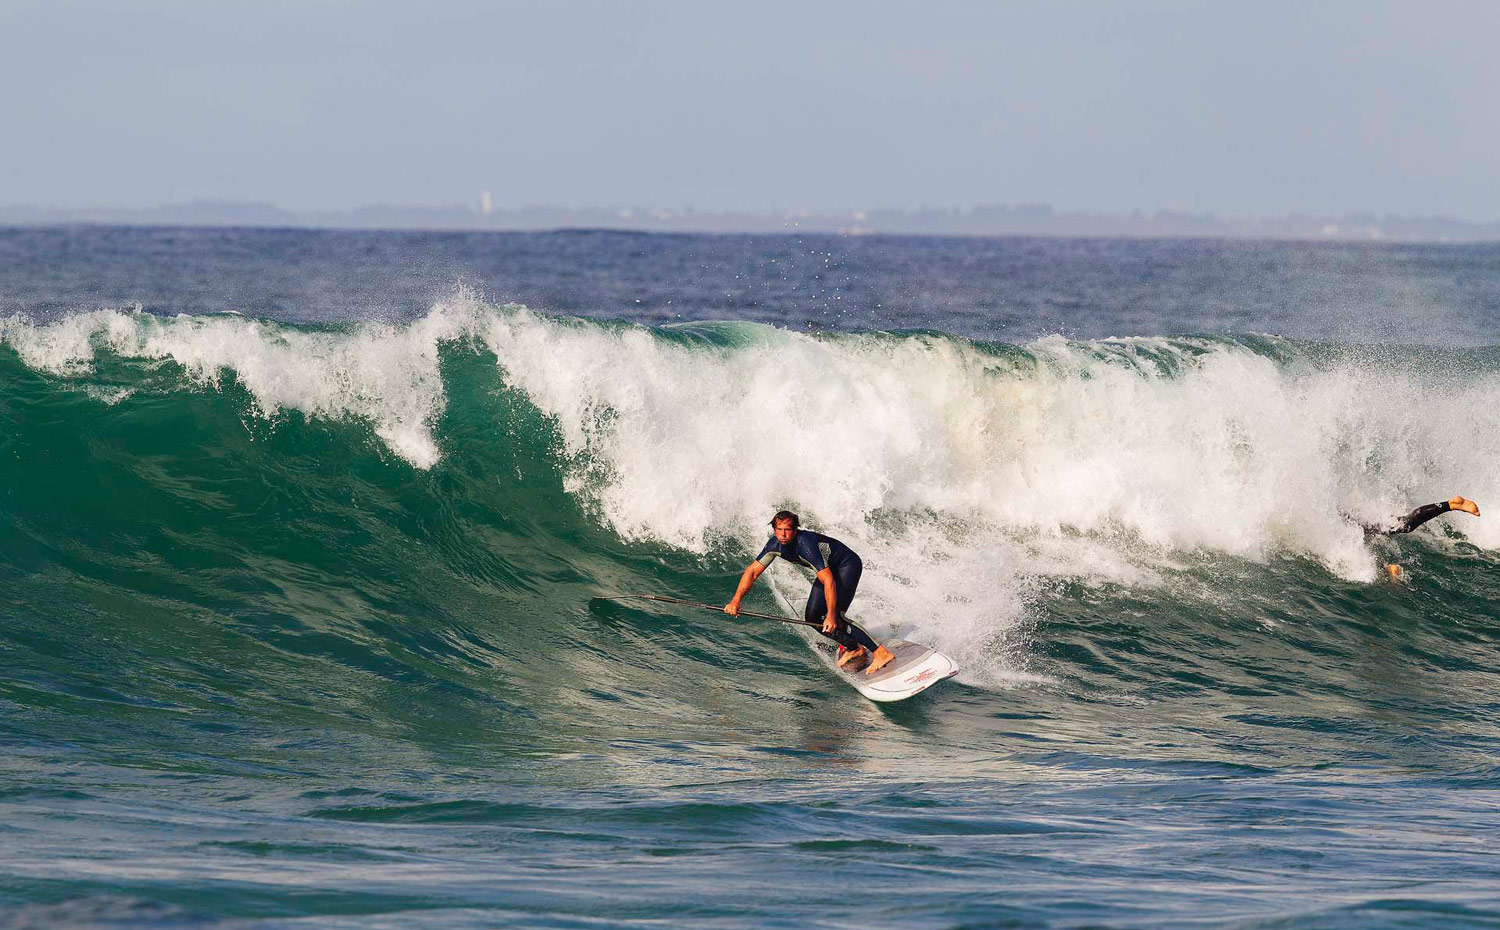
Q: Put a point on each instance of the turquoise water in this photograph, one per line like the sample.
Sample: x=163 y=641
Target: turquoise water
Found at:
x=311 y=623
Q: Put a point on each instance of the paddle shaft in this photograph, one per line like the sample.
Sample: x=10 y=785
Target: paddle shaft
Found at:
x=702 y=606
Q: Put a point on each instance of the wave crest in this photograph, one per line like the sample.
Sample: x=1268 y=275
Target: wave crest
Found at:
x=923 y=449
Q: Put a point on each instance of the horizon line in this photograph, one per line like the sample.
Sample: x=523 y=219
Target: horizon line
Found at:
x=1033 y=218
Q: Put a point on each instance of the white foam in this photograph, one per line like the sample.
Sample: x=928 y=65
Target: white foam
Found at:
x=385 y=374
x=1233 y=454
x=959 y=475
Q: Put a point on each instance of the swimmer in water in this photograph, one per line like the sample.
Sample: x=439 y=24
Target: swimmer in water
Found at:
x=1415 y=519
x=1421 y=515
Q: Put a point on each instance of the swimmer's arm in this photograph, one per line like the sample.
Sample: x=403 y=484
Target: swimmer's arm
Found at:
x=747 y=578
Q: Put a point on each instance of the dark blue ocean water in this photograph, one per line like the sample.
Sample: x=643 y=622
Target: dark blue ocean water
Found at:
x=311 y=541
x=1012 y=289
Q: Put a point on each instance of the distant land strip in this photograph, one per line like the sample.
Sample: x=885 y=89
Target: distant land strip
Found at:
x=1001 y=220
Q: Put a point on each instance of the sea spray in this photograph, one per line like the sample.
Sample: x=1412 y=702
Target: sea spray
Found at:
x=386 y=375
x=1178 y=444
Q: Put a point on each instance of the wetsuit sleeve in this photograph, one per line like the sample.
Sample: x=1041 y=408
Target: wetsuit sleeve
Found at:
x=1419 y=516
x=768 y=553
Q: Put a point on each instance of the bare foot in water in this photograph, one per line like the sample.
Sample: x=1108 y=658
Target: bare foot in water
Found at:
x=880 y=660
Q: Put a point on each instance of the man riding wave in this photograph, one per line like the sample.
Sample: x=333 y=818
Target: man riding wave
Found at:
x=838 y=569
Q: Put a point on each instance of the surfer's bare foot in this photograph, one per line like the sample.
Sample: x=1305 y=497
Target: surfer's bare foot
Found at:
x=851 y=655
x=1467 y=506
x=879 y=660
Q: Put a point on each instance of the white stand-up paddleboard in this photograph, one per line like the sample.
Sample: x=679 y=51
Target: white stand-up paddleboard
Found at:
x=915 y=669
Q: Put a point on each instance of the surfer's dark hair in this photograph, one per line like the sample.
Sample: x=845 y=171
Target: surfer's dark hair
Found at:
x=782 y=516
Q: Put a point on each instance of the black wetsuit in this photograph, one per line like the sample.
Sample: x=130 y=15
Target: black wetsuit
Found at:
x=1411 y=521
x=817 y=552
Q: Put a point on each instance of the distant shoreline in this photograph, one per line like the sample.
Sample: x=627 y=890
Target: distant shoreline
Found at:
x=1014 y=220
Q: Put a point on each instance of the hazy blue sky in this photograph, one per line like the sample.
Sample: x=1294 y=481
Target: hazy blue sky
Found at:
x=1232 y=107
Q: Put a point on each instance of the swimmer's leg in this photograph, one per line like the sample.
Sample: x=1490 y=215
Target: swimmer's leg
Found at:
x=1427 y=511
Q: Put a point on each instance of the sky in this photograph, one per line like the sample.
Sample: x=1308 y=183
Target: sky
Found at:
x=1231 y=107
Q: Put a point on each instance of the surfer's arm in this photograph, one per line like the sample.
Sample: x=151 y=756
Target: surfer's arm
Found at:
x=747 y=578
x=831 y=595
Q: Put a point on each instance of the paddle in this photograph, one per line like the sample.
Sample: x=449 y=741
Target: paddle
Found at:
x=719 y=609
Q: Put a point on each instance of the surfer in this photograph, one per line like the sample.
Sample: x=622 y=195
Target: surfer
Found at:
x=838 y=569
x=1421 y=515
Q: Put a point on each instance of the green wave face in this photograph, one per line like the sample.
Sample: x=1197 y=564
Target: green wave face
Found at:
x=238 y=546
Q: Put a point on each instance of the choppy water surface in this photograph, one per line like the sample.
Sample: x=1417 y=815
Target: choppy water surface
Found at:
x=305 y=614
